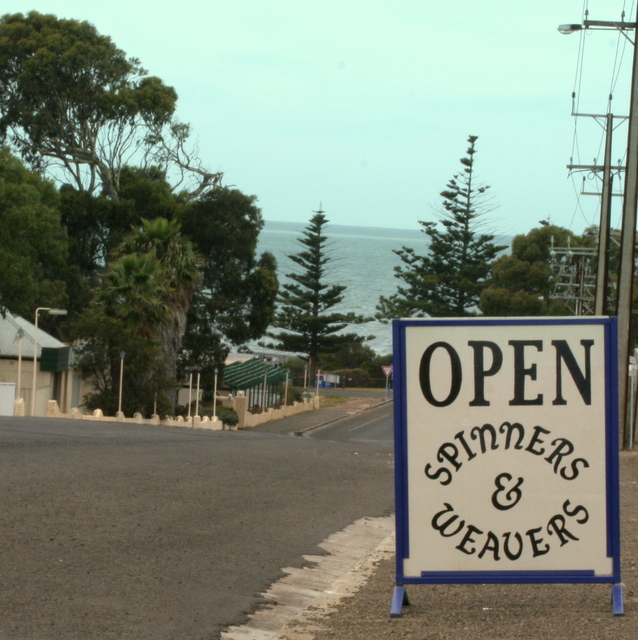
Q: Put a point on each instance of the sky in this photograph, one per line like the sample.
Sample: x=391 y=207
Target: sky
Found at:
x=365 y=106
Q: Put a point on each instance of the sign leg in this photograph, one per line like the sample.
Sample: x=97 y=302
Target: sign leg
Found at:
x=399 y=600
x=617 y=600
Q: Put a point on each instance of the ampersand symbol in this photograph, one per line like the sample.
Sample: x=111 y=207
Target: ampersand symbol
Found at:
x=512 y=494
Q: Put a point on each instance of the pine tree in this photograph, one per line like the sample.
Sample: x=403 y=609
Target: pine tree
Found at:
x=449 y=278
x=305 y=301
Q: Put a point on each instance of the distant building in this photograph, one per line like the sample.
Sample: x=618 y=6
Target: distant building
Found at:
x=55 y=379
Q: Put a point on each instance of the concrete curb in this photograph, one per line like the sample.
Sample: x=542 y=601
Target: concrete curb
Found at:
x=297 y=603
x=310 y=620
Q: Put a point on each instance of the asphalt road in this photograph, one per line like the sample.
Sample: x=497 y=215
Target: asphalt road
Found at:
x=373 y=427
x=134 y=532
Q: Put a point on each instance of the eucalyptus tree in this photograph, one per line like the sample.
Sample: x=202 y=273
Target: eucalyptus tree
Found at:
x=448 y=278
x=523 y=281
x=236 y=301
x=305 y=302
x=96 y=226
x=74 y=104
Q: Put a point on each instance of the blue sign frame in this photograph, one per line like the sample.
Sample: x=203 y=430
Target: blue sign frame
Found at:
x=611 y=459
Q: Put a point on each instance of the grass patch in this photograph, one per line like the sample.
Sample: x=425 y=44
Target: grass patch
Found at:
x=328 y=401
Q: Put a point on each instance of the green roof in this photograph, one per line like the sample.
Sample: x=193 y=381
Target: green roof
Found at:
x=251 y=373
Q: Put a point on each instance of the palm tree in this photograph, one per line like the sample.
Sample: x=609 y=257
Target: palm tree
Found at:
x=135 y=290
x=129 y=311
x=179 y=265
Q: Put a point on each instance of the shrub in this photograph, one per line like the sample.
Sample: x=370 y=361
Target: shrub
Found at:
x=294 y=394
x=228 y=416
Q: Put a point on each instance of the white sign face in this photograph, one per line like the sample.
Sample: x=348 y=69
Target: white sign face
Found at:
x=504 y=449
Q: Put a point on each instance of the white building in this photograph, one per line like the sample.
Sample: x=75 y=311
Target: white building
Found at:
x=55 y=378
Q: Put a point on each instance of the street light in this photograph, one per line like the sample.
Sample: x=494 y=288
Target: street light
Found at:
x=119 y=404
x=566 y=29
x=52 y=312
x=622 y=26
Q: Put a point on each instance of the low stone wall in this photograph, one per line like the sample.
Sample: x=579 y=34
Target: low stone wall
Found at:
x=53 y=411
x=18 y=407
x=240 y=404
x=270 y=414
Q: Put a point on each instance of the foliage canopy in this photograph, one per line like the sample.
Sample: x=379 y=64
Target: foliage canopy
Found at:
x=135 y=258
x=32 y=242
x=449 y=278
x=522 y=282
x=73 y=103
x=236 y=301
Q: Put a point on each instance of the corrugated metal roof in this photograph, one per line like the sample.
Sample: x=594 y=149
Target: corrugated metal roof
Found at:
x=9 y=341
x=251 y=373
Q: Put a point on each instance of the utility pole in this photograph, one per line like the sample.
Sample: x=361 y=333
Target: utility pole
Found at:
x=602 y=271
x=627 y=255
x=628 y=231
x=600 y=304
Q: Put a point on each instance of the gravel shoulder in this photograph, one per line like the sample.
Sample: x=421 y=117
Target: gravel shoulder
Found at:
x=495 y=612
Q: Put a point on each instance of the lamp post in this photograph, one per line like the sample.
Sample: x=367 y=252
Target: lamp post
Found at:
x=197 y=396
x=264 y=398
x=52 y=312
x=19 y=387
x=215 y=397
x=190 y=392
x=119 y=404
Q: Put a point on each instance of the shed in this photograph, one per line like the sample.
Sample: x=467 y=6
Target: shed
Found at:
x=55 y=378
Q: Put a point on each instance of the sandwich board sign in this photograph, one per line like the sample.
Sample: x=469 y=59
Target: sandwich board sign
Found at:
x=506 y=441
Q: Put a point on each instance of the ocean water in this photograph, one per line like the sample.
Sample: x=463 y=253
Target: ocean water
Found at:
x=361 y=258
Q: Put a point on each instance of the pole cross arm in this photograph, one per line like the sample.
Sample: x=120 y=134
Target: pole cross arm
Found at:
x=567 y=29
x=591 y=167
x=607 y=24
